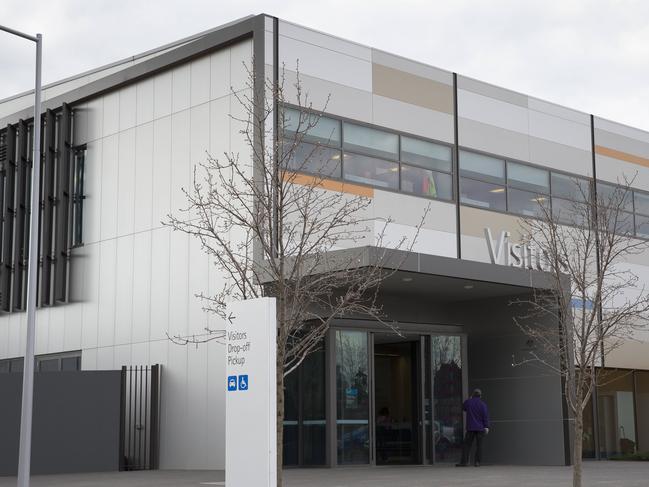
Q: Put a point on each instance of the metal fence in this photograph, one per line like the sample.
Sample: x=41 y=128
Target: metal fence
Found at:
x=139 y=445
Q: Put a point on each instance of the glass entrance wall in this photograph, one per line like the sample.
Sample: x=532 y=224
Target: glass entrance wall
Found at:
x=396 y=400
x=352 y=397
x=305 y=424
x=616 y=414
x=447 y=397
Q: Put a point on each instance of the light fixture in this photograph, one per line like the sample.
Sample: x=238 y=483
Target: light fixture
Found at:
x=540 y=199
x=497 y=190
x=406 y=279
x=468 y=286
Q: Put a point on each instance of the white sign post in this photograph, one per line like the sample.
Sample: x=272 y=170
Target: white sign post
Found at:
x=251 y=403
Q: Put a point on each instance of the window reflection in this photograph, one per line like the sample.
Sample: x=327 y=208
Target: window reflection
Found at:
x=424 y=182
x=368 y=170
x=485 y=195
x=616 y=413
x=319 y=160
x=447 y=397
x=352 y=397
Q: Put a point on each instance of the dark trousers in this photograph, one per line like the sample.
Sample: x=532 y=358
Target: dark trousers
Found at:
x=468 y=443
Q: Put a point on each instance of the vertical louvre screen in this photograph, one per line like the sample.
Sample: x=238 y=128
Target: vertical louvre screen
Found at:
x=16 y=149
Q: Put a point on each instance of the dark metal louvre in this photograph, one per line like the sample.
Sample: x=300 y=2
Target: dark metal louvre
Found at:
x=47 y=198
x=20 y=213
x=62 y=206
x=8 y=217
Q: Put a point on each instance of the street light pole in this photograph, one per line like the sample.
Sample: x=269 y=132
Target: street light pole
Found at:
x=24 y=457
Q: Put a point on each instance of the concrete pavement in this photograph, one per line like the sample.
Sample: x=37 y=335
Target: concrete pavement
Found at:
x=596 y=474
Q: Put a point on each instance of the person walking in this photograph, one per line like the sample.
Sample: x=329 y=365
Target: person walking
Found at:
x=477 y=426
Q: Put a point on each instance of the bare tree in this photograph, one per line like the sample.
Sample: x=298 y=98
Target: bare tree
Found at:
x=593 y=302
x=275 y=225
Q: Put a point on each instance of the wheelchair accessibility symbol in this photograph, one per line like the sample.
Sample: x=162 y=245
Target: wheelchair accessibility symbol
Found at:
x=243 y=382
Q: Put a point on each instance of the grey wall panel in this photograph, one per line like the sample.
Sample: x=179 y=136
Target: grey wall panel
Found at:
x=488 y=138
x=621 y=129
x=107 y=291
x=124 y=292
x=161 y=183
x=141 y=307
x=558 y=111
x=492 y=111
x=180 y=159
x=413 y=119
x=617 y=171
x=109 y=186
x=219 y=74
x=76 y=422
x=492 y=91
x=622 y=143
x=180 y=88
x=560 y=130
x=240 y=65
x=111 y=114
x=162 y=94
x=339 y=99
x=561 y=157
x=323 y=40
x=413 y=67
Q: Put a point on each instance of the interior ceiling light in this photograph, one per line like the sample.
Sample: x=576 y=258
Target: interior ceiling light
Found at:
x=540 y=199
x=406 y=279
x=468 y=286
x=497 y=190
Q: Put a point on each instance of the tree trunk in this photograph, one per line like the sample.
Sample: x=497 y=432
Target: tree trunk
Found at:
x=578 y=446
x=280 y=418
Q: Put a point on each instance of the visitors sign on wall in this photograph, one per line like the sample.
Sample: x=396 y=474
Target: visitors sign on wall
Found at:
x=251 y=404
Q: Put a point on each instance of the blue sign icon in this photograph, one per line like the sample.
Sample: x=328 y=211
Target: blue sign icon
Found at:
x=243 y=382
x=232 y=383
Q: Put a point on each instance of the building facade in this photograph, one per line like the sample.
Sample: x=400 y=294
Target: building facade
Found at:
x=120 y=144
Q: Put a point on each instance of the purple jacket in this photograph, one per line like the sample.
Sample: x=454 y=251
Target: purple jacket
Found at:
x=477 y=415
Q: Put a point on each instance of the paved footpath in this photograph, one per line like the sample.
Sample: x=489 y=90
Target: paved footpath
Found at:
x=596 y=474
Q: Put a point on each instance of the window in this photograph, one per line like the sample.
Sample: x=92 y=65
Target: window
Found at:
x=482 y=167
x=368 y=170
x=370 y=141
x=315 y=159
x=485 y=195
x=529 y=178
x=570 y=187
x=527 y=203
x=570 y=212
x=614 y=196
x=426 y=154
x=78 y=195
x=424 y=182
x=315 y=127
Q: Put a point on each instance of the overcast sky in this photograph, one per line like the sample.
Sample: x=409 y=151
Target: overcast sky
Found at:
x=589 y=55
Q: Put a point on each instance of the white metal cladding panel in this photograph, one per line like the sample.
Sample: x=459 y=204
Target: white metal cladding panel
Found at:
x=338 y=99
x=622 y=143
x=492 y=91
x=198 y=283
x=127 y=107
x=160 y=283
x=560 y=130
x=180 y=163
x=143 y=177
x=199 y=142
x=144 y=101
x=215 y=422
x=615 y=171
x=17 y=333
x=111 y=114
x=412 y=67
x=413 y=119
x=92 y=189
x=493 y=112
x=56 y=328
x=161 y=189
x=621 y=129
x=324 y=40
x=200 y=81
x=90 y=313
x=95 y=116
x=240 y=65
x=173 y=428
x=109 y=186
x=142 y=260
x=162 y=94
x=219 y=73
x=124 y=290
x=474 y=248
x=126 y=182
x=107 y=291
x=219 y=127
x=178 y=284
x=73 y=322
x=197 y=432
x=180 y=88
x=42 y=336
x=323 y=63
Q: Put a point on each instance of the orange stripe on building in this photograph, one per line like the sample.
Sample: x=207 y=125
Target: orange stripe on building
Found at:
x=623 y=156
x=316 y=182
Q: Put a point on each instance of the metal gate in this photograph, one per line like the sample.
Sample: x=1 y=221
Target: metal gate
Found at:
x=139 y=445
